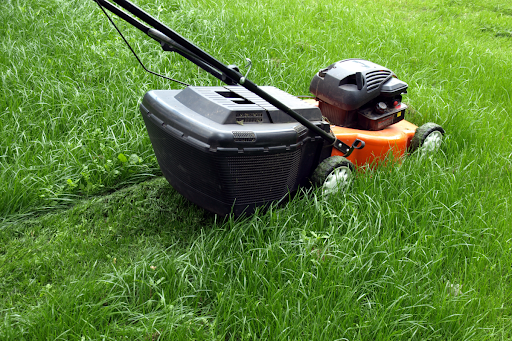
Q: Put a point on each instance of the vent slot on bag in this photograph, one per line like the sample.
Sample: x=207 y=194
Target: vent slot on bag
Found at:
x=244 y=136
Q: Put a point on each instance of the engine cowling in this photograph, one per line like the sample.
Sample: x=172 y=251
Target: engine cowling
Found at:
x=352 y=91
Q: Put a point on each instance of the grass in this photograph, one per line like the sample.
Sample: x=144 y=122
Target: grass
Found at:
x=94 y=245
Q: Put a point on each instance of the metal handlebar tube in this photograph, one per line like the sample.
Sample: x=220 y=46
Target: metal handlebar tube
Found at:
x=169 y=45
x=183 y=46
x=215 y=67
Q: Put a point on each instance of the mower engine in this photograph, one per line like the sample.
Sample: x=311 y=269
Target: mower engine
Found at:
x=356 y=93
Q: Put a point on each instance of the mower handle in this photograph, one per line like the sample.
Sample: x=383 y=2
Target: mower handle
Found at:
x=229 y=75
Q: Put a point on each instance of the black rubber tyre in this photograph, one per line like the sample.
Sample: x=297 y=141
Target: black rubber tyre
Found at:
x=431 y=133
x=333 y=174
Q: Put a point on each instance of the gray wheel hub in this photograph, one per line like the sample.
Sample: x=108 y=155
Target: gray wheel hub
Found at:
x=432 y=142
x=338 y=180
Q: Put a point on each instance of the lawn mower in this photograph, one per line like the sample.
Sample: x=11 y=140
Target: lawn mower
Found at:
x=233 y=148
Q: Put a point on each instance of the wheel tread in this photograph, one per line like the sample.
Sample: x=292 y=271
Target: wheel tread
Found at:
x=327 y=166
x=421 y=133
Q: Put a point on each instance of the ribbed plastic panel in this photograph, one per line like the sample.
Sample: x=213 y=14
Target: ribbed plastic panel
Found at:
x=250 y=179
x=249 y=117
x=244 y=136
x=218 y=181
x=301 y=130
x=337 y=116
x=375 y=78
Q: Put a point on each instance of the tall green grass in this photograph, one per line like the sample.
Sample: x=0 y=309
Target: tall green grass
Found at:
x=404 y=254
x=415 y=250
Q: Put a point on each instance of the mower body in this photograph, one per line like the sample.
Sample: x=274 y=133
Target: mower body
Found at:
x=228 y=150
x=392 y=141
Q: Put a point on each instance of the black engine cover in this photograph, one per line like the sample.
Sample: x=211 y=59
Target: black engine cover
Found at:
x=350 y=92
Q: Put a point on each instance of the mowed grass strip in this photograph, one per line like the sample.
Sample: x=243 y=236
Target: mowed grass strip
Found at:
x=419 y=249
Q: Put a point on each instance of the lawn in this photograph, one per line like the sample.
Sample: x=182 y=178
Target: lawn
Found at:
x=95 y=244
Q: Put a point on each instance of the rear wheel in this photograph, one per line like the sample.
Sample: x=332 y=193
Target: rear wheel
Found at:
x=333 y=175
x=427 y=138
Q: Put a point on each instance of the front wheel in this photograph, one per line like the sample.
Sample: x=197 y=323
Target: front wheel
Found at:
x=427 y=138
x=333 y=175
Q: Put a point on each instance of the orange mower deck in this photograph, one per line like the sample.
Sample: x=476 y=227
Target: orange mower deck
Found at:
x=395 y=139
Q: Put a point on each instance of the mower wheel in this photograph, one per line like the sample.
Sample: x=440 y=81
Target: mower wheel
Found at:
x=333 y=174
x=427 y=138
